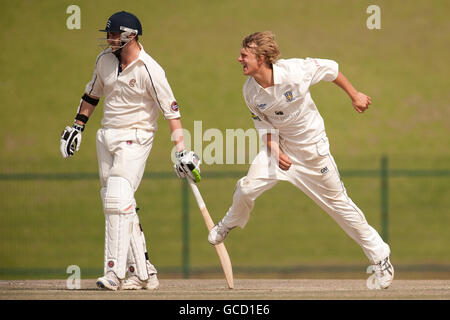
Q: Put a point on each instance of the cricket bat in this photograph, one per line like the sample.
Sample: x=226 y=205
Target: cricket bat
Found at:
x=220 y=248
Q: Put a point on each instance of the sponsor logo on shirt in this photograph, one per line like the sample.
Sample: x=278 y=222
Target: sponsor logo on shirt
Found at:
x=174 y=106
x=262 y=106
x=255 y=117
x=289 y=96
x=281 y=116
x=132 y=82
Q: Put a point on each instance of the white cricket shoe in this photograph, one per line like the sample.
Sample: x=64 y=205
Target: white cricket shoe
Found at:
x=384 y=273
x=218 y=233
x=134 y=283
x=108 y=281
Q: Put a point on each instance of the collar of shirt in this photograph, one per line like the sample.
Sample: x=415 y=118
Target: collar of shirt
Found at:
x=277 y=74
x=277 y=79
x=140 y=57
x=141 y=53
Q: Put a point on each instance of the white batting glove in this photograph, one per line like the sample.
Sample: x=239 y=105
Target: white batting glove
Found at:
x=71 y=140
x=188 y=165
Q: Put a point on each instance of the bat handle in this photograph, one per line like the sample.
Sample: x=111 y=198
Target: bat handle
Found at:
x=197 y=195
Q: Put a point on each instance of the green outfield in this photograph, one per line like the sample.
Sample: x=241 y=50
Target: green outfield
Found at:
x=47 y=224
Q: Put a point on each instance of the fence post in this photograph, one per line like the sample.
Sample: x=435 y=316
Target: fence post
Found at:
x=384 y=173
x=185 y=228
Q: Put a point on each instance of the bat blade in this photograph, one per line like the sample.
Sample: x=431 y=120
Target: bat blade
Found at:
x=226 y=264
x=220 y=248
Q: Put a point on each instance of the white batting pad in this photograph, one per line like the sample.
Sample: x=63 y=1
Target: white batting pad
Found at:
x=119 y=196
x=131 y=263
x=120 y=213
x=139 y=250
x=138 y=263
x=117 y=241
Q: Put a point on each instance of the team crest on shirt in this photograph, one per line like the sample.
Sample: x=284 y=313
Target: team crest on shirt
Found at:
x=174 y=106
x=132 y=83
x=289 y=96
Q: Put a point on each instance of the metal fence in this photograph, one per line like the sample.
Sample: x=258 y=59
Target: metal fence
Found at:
x=383 y=173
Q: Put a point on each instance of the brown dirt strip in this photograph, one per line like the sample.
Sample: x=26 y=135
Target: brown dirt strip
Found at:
x=245 y=289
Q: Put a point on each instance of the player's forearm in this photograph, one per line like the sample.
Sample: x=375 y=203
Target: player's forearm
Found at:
x=85 y=109
x=272 y=145
x=284 y=162
x=345 y=85
x=176 y=130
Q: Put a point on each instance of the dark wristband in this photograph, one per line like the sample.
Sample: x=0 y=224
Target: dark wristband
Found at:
x=81 y=117
x=90 y=100
x=79 y=127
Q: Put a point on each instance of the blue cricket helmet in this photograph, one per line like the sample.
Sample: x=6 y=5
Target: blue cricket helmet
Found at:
x=121 y=21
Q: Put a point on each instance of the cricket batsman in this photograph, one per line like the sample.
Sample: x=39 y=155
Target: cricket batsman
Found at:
x=297 y=147
x=135 y=90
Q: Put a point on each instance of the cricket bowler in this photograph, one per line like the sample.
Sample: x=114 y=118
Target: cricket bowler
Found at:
x=135 y=90
x=297 y=148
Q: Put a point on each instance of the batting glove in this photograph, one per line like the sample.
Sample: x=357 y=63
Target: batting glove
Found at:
x=188 y=165
x=71 y=140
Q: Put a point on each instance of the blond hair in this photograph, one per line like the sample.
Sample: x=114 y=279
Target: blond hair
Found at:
x=263 y=44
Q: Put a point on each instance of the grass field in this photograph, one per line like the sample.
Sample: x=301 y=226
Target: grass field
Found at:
x=46 y=225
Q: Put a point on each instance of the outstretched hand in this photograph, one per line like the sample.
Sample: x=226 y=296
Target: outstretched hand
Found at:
x=361 y=102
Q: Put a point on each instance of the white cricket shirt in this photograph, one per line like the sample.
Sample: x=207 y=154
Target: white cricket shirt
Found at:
x=287 y=106
x=134 y=96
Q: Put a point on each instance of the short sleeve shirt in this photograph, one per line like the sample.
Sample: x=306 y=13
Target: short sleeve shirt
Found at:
x=135 y=96
x=287 y=106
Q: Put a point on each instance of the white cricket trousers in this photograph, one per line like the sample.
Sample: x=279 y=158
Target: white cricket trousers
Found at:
x=122 y=156
x=123 y=153
x=313 y=171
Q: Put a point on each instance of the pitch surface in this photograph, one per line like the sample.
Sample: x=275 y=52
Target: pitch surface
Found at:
x=245 y=289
